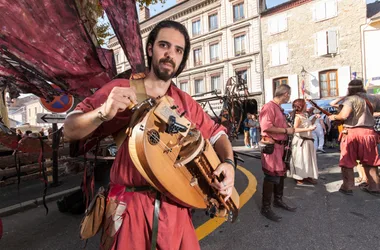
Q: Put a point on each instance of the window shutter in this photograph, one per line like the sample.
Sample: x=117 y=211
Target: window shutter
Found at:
x=293 y=83
x=268 y=90
x=332 y=41
x=275 y=55
x=320 y=11
x=282 y=23
x=321 y=43
x=271 y=26
x=283 y=53
x=331 y=9
x=344 y=77
x=313 y=85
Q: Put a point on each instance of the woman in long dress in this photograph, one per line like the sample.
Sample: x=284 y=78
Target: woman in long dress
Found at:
x=303 y=165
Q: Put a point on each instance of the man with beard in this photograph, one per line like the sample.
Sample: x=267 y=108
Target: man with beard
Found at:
x=106 y=112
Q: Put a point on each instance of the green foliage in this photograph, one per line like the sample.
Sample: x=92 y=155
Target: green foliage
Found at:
x=149 y=2
x=102 y=33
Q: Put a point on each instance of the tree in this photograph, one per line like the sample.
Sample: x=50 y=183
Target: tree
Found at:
x=149 y=2
x=92 y=11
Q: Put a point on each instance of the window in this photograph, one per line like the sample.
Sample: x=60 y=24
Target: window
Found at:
x=197 y=27
x=214 y=55
x=198 y=86
x=238 y=11
x=183 y=86
x=326 y=42
x=325 y=9
x=213 y=22
x=328 y=83
x=277 y=24
x=279 y=54
x=197 y=57
x=278 y=81
x=241 y=75
x=117 y=59
x=30 y=112
x=239 y=43
x=35 y=110
x=215 y=82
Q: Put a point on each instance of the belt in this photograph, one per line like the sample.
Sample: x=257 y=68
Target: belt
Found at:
x=156 y=211
x=305 y=139
x=281 y=142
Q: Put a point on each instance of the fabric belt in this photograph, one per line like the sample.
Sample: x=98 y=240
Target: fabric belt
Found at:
x=305 y=139
x=156 y=211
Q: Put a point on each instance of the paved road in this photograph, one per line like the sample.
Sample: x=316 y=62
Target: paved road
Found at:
x=325 y=219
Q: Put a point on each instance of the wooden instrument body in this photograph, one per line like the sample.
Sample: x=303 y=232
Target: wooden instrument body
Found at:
x=179 y=167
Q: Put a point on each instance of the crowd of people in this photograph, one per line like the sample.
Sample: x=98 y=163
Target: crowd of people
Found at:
x=359 y=143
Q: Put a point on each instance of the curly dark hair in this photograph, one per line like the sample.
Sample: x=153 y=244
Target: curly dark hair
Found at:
x=175 y=25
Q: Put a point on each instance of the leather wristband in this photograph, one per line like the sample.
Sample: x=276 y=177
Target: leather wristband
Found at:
x=231 y=162
x=102 y=117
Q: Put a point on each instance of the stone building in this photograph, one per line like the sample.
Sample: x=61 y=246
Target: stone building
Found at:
x=225 y=42
x=314 y=46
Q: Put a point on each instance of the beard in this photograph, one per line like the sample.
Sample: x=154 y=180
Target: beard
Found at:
x=164 y=74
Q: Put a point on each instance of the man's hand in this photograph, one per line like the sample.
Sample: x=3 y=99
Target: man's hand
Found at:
x=118 y=100
x=226 y=186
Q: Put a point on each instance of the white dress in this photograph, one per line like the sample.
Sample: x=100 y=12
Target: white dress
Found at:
x=303 y=163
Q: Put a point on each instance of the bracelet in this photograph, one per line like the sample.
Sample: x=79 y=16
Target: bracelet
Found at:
x=231 y=162
x=102 y=117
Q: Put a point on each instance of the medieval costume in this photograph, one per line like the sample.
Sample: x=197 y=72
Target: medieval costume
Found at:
x=272 y=164
x=359 y=140
x=303 y=164
x=175 y=228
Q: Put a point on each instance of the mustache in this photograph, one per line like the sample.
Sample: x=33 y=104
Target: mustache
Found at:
x=167 y=60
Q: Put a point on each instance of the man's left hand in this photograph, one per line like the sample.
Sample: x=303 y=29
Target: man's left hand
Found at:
x=226 y=186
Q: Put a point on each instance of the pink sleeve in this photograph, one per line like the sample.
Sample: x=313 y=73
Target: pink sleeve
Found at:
x=266 y=118
x=97 y=99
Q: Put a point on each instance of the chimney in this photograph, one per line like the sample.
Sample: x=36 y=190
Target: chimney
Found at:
x=144 y=13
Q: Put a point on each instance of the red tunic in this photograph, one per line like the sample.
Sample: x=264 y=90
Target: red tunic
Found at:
x=272 y=115
x=175 y=229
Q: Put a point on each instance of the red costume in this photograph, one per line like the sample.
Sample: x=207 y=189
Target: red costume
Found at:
x=272 y=115
x=175 y=228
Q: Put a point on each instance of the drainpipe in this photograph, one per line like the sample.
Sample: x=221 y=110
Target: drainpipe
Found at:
x=261 y=55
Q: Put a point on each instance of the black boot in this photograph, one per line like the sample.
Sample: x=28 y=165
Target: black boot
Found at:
x=266 y=200
x=278 y=193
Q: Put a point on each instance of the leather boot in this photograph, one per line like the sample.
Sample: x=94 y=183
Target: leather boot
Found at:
x=278 y=193
x=266 y=202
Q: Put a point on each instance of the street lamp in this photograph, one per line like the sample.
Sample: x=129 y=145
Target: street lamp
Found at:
x=303 y=72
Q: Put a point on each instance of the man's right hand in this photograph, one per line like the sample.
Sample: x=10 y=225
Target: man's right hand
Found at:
x=118 y=100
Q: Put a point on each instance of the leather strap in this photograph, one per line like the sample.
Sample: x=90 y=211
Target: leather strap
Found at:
x=141 y=96
x=139 y=189
x=157 y=205
x=156 y=212
x=369 y=104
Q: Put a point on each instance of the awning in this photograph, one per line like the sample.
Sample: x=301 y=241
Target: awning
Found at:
x=323 y=103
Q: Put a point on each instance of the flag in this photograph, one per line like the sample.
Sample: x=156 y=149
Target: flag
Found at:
x=303 y=87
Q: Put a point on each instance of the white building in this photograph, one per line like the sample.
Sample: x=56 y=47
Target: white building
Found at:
x=225 y=42
x=371 y=48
